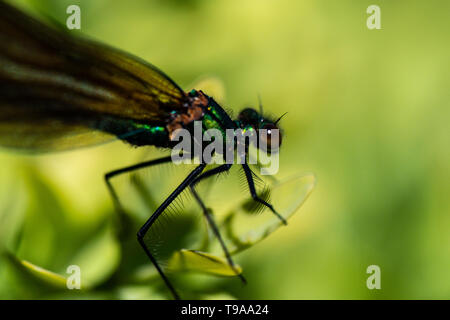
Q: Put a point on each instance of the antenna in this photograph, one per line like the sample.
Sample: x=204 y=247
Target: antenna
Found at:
x=280 y=118
x=260 y=105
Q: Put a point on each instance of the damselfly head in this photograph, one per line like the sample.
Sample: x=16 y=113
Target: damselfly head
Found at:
x=267 y=130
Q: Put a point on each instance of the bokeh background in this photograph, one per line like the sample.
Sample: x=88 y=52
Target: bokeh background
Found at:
x=368 y=113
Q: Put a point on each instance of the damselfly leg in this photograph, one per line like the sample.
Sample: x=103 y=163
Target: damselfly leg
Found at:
x=251 y=185
x=108 y=176
x=144 y=229
x=209 y=217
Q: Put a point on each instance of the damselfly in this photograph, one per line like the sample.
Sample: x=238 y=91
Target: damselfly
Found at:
x=60 y=92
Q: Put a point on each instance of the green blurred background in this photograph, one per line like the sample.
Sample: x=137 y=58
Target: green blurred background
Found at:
x=368 y=113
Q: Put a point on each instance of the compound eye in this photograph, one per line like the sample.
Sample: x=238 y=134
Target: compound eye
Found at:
x=268 y=137
x=248 y=116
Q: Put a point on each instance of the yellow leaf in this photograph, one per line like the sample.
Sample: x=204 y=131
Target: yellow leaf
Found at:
x=197 y=261
x=42 y=275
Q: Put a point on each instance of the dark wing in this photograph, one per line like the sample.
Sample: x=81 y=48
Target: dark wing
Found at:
x=54 y=86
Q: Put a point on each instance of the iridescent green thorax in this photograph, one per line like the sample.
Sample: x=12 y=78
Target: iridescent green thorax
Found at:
x=212 y=121
x=216 y=117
